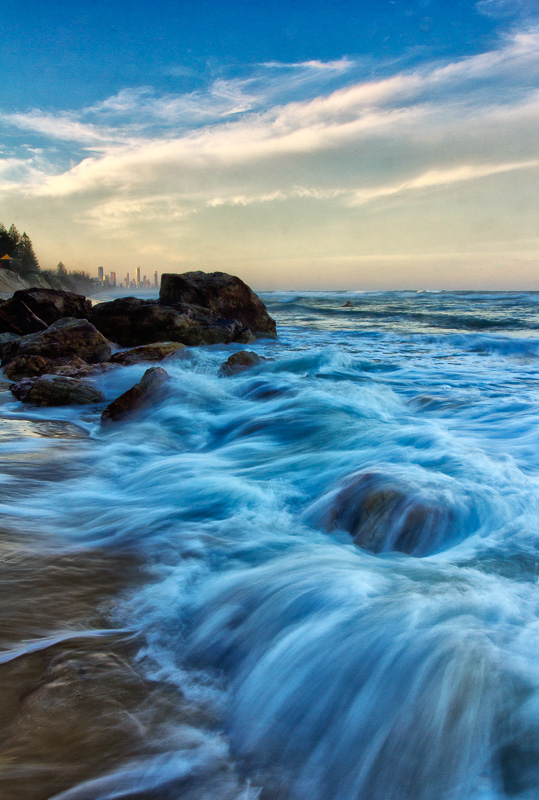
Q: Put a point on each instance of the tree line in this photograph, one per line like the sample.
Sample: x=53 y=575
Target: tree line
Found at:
x=19 y=247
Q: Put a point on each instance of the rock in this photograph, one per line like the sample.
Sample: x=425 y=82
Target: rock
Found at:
x=5 y=340
x=17 y=317
x=63 y=339
x=224 y=295
x=132 y=321
x=383 y=514
x=139 y=396
x=238 y=362
x=148 y=352
x=50 y=305
x=28 y=366
x=55 y=390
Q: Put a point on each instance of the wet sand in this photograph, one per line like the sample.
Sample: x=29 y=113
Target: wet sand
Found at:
x=73 y=703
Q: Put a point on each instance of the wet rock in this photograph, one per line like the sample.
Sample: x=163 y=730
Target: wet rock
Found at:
x=17 y=317
x=5 y=340
x=382 y=514
x=139 y=396
x=133 y=321
x=63 y=339
x=239 y=362
x=224 y=295
x=50 y=305
x=148 y=352
x=55 y=390
x=33 y=366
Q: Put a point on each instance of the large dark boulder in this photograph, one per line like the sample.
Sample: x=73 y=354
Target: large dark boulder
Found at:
x=65 y=338
x=18 y=318
x=51 y=305
x=139 y=396
x=132 y=321
x=55 y=390
x=224 y=295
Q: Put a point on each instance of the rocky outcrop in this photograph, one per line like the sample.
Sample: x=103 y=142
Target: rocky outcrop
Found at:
x=50 y=305
x=55 y=390
x=11 y=281
x=224 y=295
x=64 y=339
x=136 y=398
x=131 y=321
x=16 y=317
x=148 y=352
x=239 y=362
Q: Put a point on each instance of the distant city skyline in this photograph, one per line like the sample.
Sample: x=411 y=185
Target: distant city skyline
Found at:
x=139 y=281
x=384 y=144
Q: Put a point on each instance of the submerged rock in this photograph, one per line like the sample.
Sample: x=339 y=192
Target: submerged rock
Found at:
x=148 y=352
x=16 y=317
x=239 y=362
x=224 y=295
x=64 y=339
x=132 y=321
x=383 y=514
x=50 y=305
x=55 y=390
x=139 y=396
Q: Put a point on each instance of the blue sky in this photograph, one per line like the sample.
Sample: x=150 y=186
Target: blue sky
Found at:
x=341 y=144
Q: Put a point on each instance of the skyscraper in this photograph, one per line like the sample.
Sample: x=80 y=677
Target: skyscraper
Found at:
x=100 y=274
x=155 y=280
x=113 y=279
x=137 y=278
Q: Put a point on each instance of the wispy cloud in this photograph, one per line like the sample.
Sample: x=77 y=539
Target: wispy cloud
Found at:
x=503 y=9
x=435 y=178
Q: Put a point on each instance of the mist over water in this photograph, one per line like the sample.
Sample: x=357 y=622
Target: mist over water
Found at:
x=340 y=550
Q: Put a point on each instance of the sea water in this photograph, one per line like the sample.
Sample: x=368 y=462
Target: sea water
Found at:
x=340 y=550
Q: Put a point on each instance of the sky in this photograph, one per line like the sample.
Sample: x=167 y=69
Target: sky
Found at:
x=383 y=144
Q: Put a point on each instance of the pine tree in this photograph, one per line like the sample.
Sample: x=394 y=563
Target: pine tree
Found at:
x=61 y=270
x=26 y=255
x=15 y=238
x=5 y=241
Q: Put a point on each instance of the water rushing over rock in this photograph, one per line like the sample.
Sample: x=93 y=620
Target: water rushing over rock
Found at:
x=331 y=562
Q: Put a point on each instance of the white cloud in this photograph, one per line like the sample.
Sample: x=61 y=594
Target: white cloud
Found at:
x=62 y=126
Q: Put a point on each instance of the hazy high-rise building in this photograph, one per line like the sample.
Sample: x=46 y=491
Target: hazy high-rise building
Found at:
x=137 y=276
x=113 y=279
x=100 y=274
x=155 y=280
x=127 y=281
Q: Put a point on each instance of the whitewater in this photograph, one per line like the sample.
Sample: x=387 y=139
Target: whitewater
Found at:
x=336 y=553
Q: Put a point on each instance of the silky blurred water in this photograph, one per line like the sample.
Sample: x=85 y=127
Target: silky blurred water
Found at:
x=342 y=546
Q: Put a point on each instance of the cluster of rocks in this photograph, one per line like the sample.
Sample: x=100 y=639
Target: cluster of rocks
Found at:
x=52 y=341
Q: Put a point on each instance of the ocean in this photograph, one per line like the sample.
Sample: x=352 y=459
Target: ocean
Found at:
x=314 y=580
